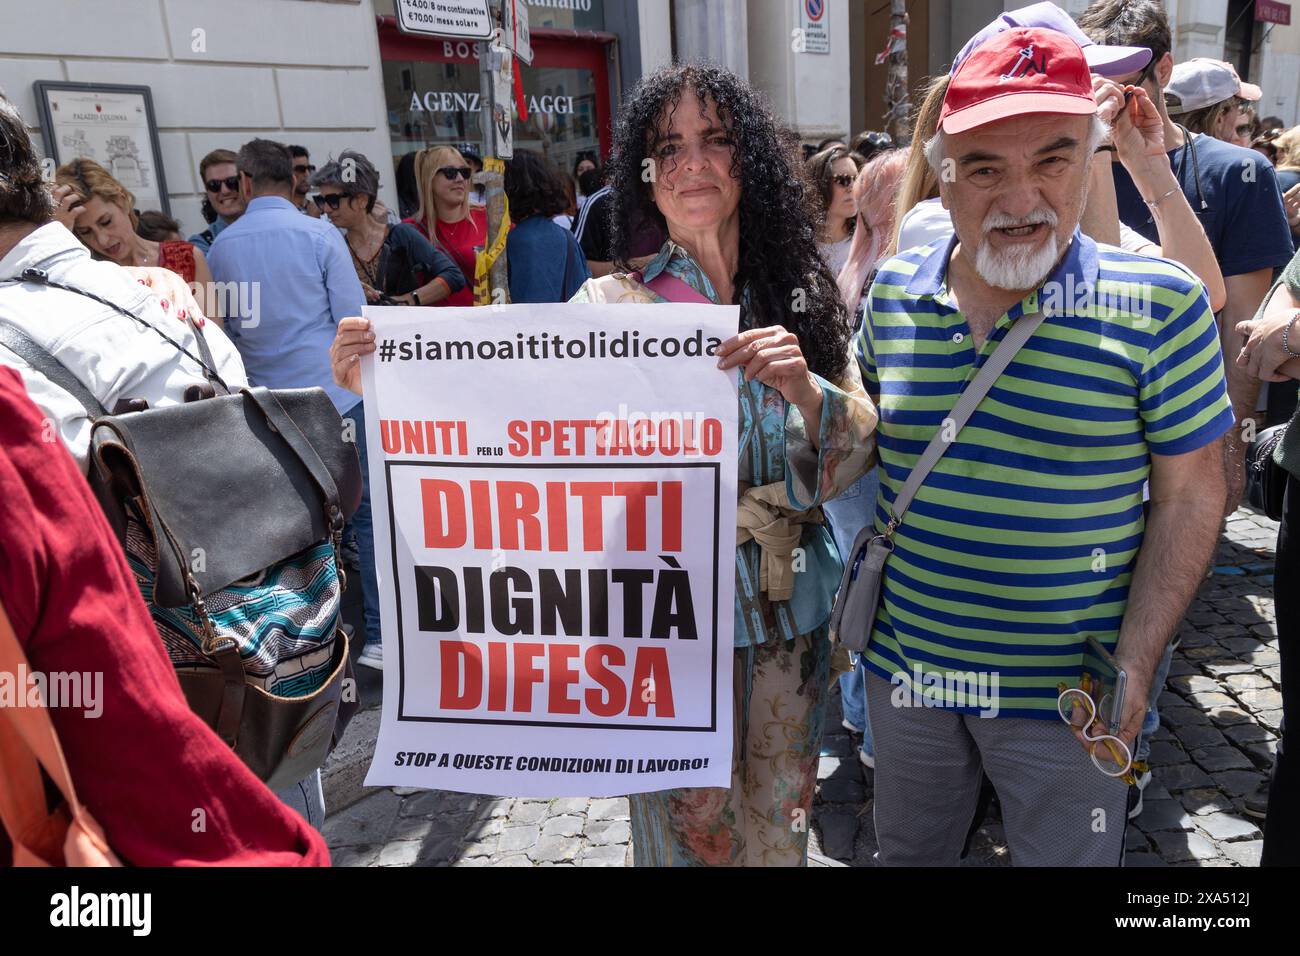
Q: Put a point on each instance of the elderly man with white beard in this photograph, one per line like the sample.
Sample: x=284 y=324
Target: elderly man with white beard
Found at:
x=1026 y=537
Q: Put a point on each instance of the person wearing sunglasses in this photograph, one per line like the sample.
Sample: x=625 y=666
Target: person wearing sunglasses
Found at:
x=222 y=203
x=1242 y=215
x=1247 y=123
x=874 y=193
x=445 y=217
x=394 y=263
x=1234 y=194
x=832 y=172
x=302 y=170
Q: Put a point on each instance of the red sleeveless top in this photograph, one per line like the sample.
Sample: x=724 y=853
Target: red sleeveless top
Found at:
x=178 y=256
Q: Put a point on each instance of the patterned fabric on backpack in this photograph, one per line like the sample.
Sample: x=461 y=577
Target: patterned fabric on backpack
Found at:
x=283 y=617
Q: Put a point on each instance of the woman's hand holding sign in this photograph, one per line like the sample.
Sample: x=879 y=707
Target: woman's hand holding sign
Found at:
x=352 y=340
x=772 y=355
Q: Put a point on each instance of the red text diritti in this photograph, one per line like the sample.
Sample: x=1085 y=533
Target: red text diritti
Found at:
x=528 y=516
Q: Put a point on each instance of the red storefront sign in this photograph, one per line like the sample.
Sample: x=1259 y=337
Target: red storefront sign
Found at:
x=1270 y=11
x=582 y=50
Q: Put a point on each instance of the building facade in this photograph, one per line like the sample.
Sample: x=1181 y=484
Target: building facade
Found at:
x=336 y=74
x=298 y=71
x=325 y=74
x=584 y=54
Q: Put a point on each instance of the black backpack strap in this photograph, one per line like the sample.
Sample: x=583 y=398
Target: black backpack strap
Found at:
x=204 y=360
x=40 y=359
x=205 y=353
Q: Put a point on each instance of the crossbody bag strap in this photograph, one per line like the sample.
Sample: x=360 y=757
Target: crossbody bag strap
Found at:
x=205 y=353
x=672 y=288
x=28 y=742
x=1017 y=335
x=41 y=359
x=204 y=359
x=299 y=443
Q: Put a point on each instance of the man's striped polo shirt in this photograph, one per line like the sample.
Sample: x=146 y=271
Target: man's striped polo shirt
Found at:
x=1023 y=539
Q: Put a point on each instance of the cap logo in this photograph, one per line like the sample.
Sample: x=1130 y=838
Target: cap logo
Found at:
x=1025 y=65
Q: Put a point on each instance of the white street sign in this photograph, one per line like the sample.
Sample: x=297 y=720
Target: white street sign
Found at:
x=515 y=35
x=812 y=21
x=456 y=19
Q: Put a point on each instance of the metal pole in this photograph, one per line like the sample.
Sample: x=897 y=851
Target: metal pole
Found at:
x=899 y=119
x=498 y=288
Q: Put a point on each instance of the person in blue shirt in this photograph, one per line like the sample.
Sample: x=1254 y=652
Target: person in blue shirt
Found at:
x=295 y=279
x=282 y=283
x=544 y=260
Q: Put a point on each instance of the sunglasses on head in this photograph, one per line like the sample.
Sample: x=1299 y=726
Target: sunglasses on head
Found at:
x=843 y=179
x=231 y=183
x=451 y=172
x=332 y=201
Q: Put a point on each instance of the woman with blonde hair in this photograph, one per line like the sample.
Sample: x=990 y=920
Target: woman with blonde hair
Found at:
x=100 y=211
x=445 y=215
x=1287 y=144
x=920 y=181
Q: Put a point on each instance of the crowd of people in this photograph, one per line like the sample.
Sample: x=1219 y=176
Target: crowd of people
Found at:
x=1053 y=155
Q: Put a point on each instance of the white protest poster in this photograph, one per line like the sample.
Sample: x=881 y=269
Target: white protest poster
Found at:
x=554 y=499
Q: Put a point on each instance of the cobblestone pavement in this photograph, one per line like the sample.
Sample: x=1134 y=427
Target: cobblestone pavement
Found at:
x=1220 y=714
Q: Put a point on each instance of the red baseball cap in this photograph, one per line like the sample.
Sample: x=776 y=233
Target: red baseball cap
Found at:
x=1028 y=70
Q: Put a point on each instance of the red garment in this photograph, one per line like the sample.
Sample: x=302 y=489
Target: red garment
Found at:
x=146 y=764
x=178 y=256
x=460 y=240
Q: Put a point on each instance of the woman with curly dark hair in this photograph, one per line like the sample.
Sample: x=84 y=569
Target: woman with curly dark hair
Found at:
x=543 y=259
x=699 y=153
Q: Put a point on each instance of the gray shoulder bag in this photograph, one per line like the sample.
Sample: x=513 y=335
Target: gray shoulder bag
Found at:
x=854 y=614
